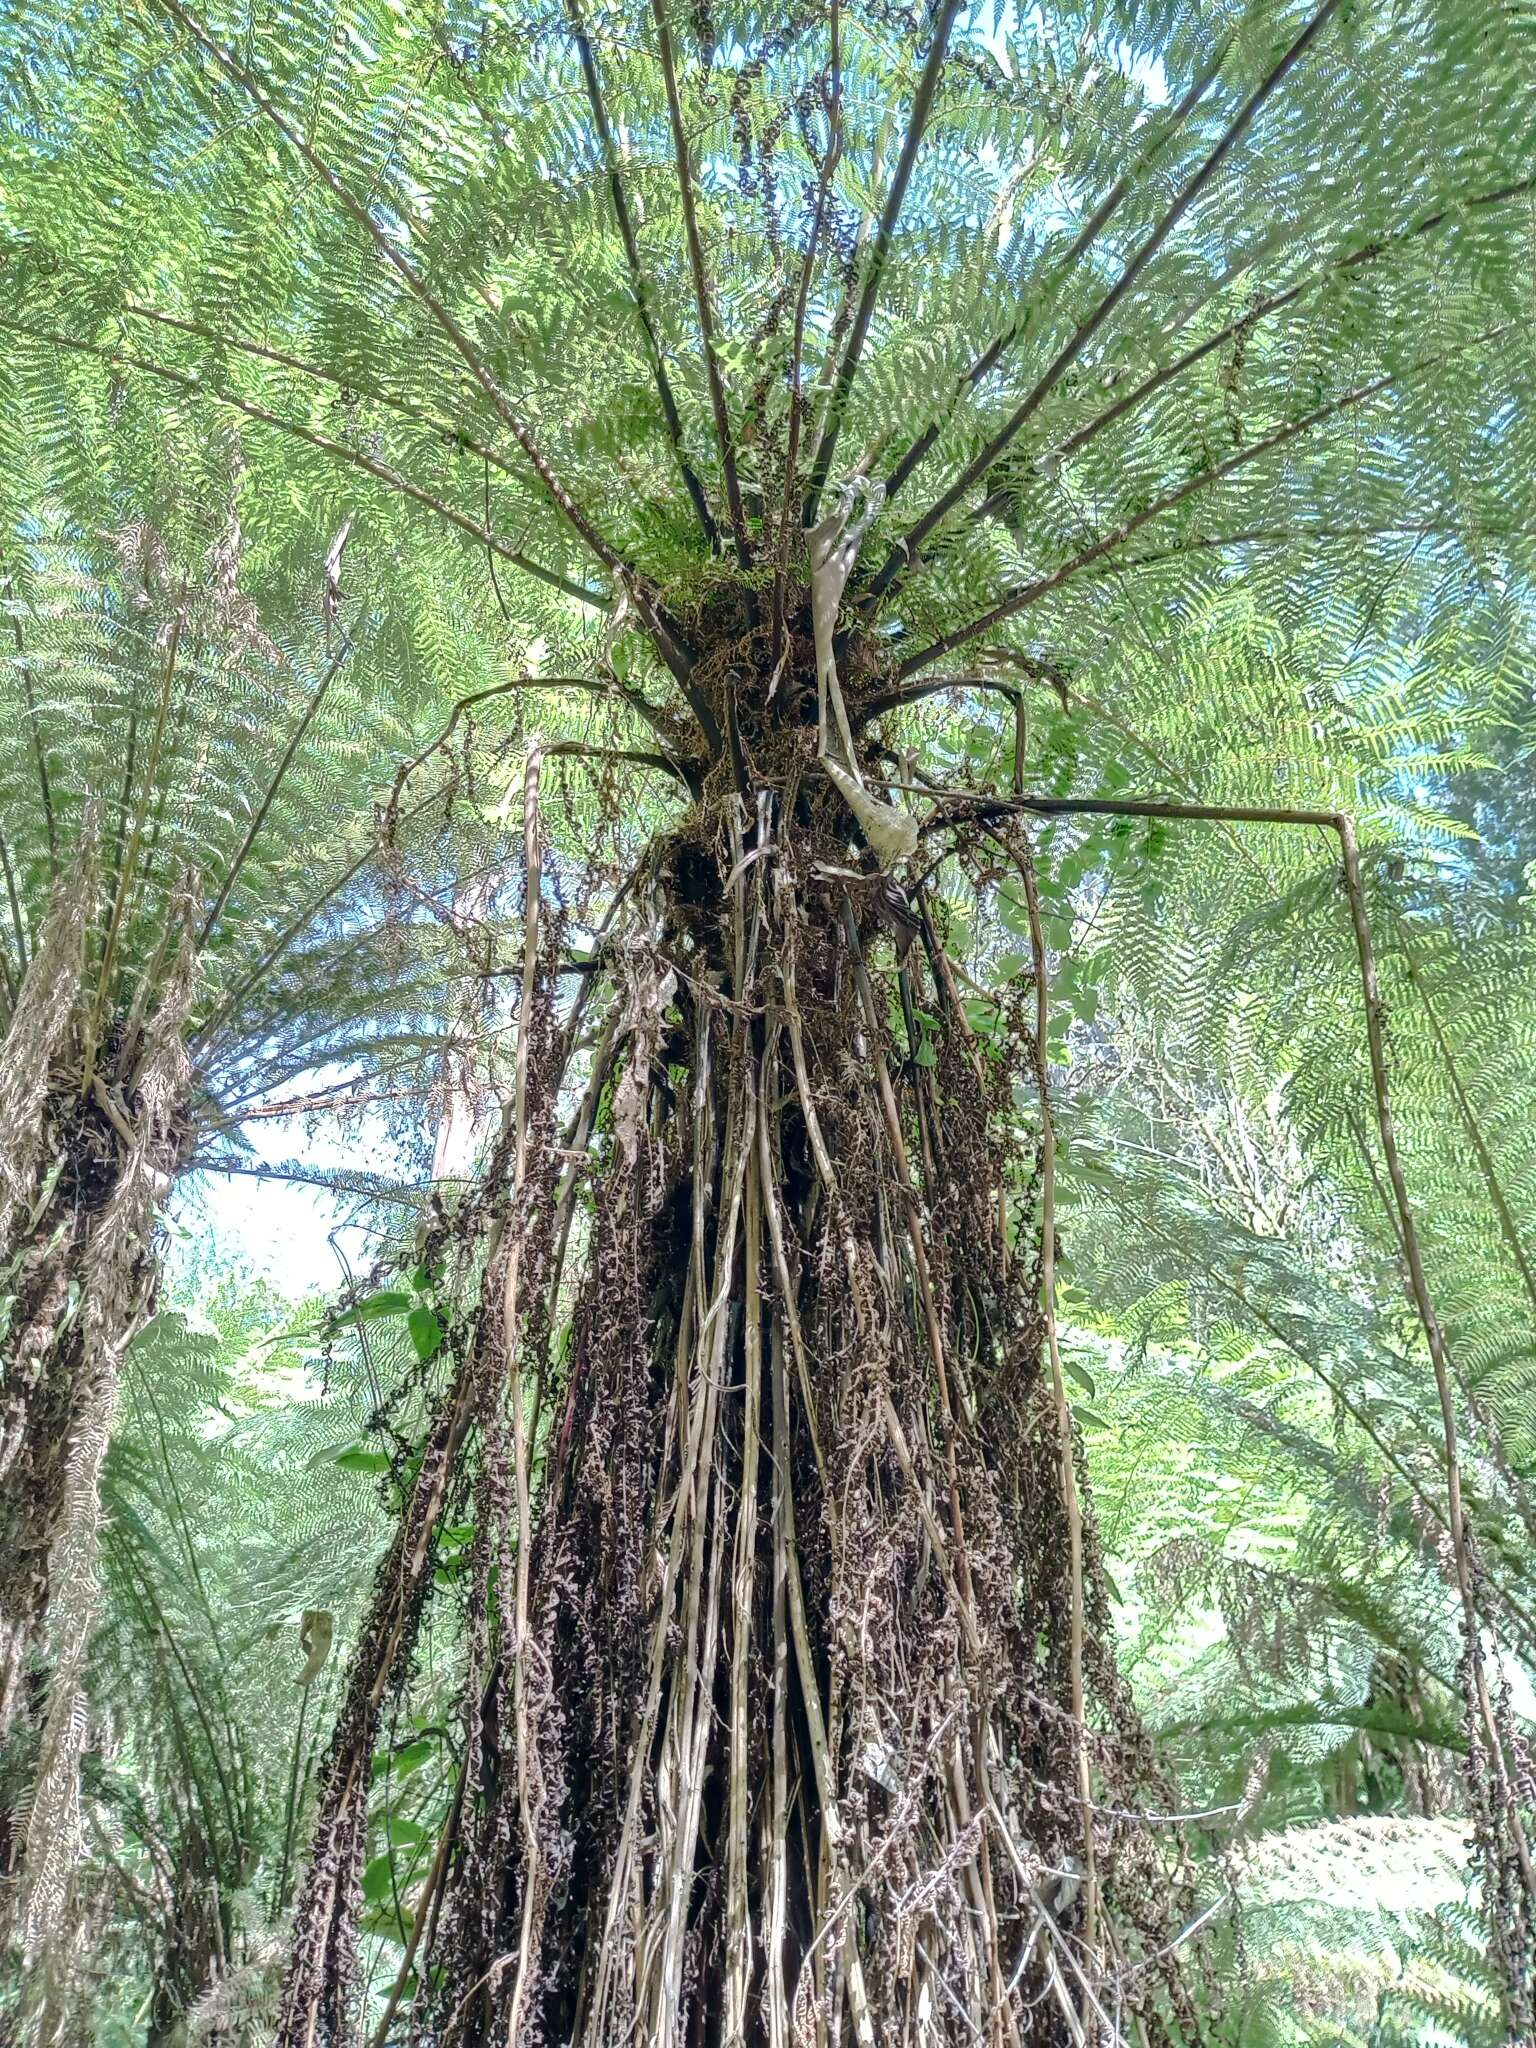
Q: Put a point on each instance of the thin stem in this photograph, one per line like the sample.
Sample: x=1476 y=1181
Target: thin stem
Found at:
x=905 y=549
x=738 y=1935
x=1337 y=822
x=1084 y=240
x=637 y=277
x=874 y=269
x=424 y=1906
x=353 y=457
x=911 y=1207
x=328 y=1181
x=1071 y=698
x=701 y=290
x=797 y=348
x=131 y=852
x=1279 y=536
x=1069 y=1493
x=301 y=923
x=281 y=1894
x=150 y=1600
x=448 y=430
x=415 y=284
x=317 y=698
x=1274 y=304
x=1018 y=599
x=1434 y=1336
x=984 y=809
x=18 y=923
x=1424 y=1500
x=533 y=868
x=896 y=699
x=631 y=757
x=313 y=1105
x=640 y=705
x=29 y=687
x=1508 y=1227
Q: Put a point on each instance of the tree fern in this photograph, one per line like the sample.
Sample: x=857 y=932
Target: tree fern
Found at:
x=1177 y=361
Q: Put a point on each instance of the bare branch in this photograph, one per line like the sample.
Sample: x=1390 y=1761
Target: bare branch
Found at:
x=632 y=699
x=934 y=686
x=632 y=757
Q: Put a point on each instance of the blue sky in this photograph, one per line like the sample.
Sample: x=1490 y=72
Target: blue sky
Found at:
x=297 y=1237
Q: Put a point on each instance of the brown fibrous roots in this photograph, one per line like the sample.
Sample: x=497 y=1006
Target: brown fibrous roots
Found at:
x=782 y=1588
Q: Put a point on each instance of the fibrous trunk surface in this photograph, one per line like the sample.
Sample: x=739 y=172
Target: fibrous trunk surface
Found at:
x=87 y=1165
x=49 y=1381
x=781 y=1600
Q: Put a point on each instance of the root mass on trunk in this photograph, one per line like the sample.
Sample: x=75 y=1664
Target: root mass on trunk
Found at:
x=770 y=1649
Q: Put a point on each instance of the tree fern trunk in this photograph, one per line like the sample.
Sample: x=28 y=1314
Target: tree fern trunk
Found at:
x=770 y=1655
x=89 y=1170
x=42 y=1244
x=49 y=1380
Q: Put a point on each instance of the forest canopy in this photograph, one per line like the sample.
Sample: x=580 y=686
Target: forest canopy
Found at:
x=821 y=722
